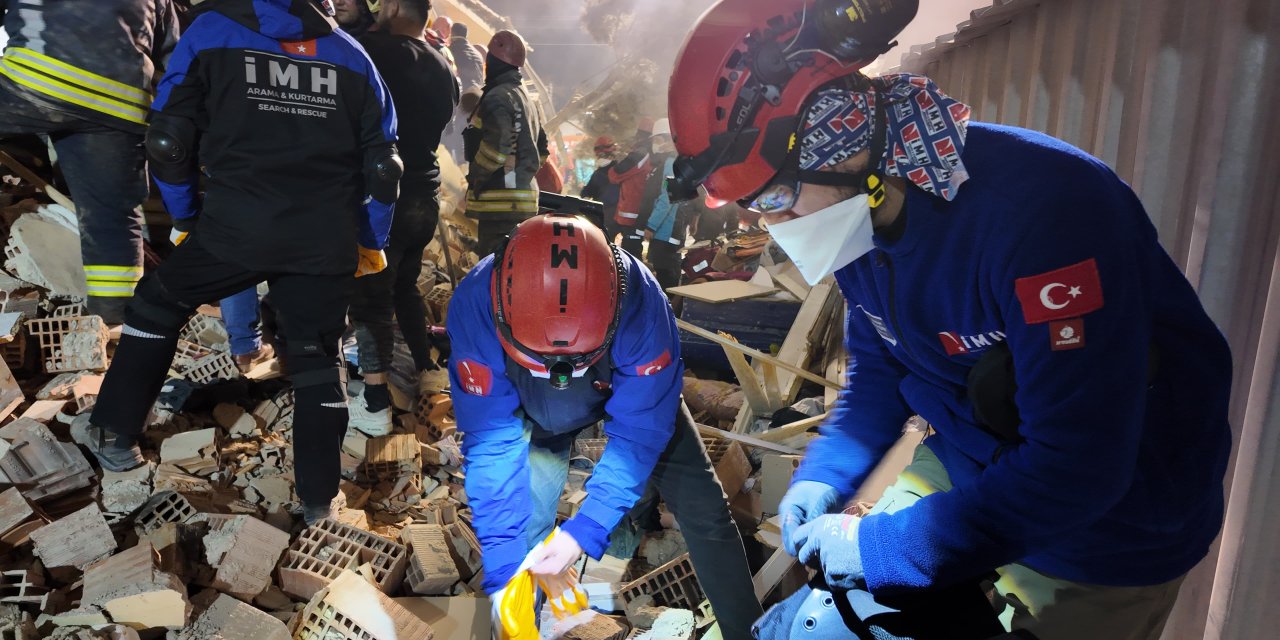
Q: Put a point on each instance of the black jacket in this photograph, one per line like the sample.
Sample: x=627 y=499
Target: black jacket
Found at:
x=93 y=59
x=288 y=111
x=425 y=94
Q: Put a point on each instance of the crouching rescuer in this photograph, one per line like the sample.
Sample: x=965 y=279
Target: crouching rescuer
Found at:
x=299 y=197
x=555 y=332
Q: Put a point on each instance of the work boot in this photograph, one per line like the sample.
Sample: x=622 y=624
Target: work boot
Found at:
x=114 y=452
x=247 y=361
x=371 y=423
x=312 y=514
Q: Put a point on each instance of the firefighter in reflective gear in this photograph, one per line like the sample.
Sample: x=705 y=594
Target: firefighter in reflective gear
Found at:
x=504 y=144
x=81 y=72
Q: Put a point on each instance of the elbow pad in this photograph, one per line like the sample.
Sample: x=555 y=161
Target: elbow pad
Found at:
x=382 y=172
x=171 y=146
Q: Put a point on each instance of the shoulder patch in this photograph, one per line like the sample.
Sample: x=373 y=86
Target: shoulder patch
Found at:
x=1069 y=292
x=477 y=379
x=658 y=364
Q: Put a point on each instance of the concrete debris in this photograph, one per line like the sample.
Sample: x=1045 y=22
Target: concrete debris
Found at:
x=238 y=422
x=125 y=491
x=670 y=624
x=672 y=585
x=45 y=251
x=663 y=547
x=14 y=510
x=194 y=451
x=16 y=624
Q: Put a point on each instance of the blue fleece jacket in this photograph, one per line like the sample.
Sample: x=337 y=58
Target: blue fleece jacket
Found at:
x=1118 y=478
x=639 y=418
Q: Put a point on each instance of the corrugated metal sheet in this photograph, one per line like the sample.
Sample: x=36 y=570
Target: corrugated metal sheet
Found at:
x=1180 y=97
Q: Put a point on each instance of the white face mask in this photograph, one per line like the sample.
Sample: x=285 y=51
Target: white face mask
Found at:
x=825 y=241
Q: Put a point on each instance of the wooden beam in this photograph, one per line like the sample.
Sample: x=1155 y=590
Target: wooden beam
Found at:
x=747 y=440
x=778 y=434
x=758 y=355
x=26 y=174
x=769 y=375
x=747 y=380
x=807 y=335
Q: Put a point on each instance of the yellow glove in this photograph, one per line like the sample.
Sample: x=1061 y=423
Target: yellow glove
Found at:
x=513 y=609
x=371 y=261
x=552 y=568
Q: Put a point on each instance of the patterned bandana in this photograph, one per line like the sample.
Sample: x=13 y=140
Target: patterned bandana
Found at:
x=926 y=131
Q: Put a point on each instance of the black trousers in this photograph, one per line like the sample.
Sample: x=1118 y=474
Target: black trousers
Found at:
x=311 y=311
x=664 y=257
x=105 y=169
x=394 y=291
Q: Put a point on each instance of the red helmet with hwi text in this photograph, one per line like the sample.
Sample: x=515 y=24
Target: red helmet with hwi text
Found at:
x=744 y=75
x=557 y=284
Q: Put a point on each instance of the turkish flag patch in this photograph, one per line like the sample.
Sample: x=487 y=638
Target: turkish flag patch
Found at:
x=299 y=47
x=477 y=379
x=658 y=364
x=1068 y=292
x=1065 y=335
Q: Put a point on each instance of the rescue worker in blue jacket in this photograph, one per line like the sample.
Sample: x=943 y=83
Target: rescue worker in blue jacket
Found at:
x=82 y=72
x=295 y=132
x=1006 y=287
x=555 y=332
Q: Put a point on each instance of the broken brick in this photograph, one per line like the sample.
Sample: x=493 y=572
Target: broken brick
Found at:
x=431 y=570
x=326 y=549
x=672 y=585
x=393 y=448
x=243 y=551
x=164 y=506
x=75 y=540
x=597 y=627
x=14 y=510
x=730 y=462
x=192 y=451
x=24 y=586
x=590 y=448
x=71 y=344
x=226 y=618
x=134 y=592
x=125 y=491
x=350 y=608
x=238 y=422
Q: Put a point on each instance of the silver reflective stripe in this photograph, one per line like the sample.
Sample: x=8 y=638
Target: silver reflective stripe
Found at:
x=334 y=405
x=139 y=333
x=31 y=13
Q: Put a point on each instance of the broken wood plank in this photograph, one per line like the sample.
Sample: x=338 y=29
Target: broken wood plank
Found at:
x=746 y=440
x=759 y=355
x=807 y=334
x=778 y=434
x=747 y=380
x=721 y=291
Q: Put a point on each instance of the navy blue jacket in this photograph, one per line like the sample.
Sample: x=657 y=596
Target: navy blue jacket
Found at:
x=289 y=110
x=1118 y=477
x=490 y=405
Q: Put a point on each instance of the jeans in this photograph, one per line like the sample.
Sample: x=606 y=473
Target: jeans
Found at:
x=687 y=483
x=664 y=257
x=240 y=312
x=394 y=291
x=312 y=314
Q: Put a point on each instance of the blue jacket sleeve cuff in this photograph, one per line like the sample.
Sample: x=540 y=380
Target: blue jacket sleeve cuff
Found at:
x=593 y=538
x=500 y=563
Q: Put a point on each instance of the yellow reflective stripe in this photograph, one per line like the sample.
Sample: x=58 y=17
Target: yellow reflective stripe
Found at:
x=508 y=194
x=60 y=69
x=112 y=270
x=504 y=206
x=110 y=290
x=112 y=278
x=111 y=294
x=68 y=93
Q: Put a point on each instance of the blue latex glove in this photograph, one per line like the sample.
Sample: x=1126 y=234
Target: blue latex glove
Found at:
x=804 y=502
x=830 y=545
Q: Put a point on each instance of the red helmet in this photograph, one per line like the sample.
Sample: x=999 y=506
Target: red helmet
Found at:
x=745 y=73
x=556 y=287
x=509 y=47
